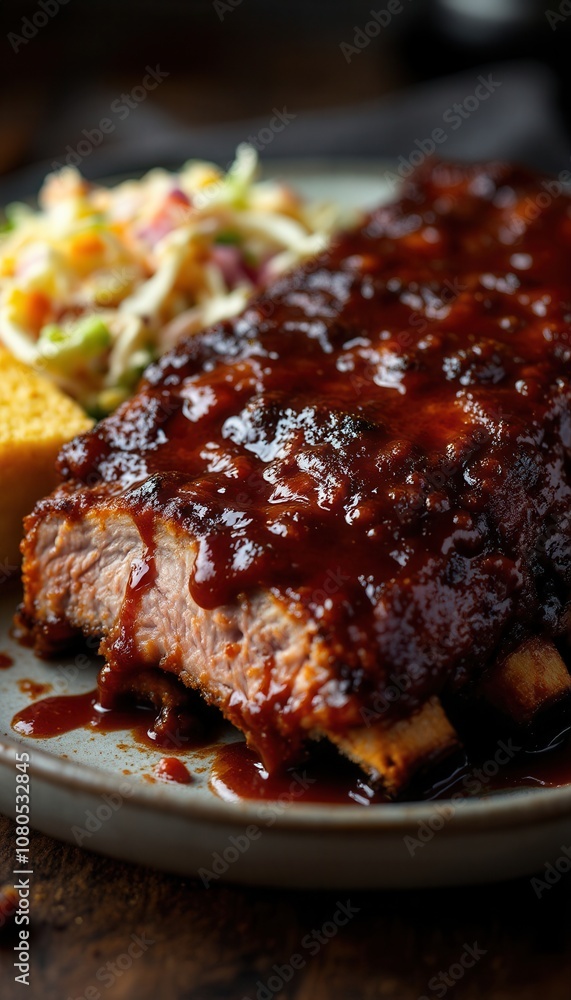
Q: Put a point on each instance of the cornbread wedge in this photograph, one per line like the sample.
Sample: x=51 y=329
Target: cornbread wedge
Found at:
x=36 y=419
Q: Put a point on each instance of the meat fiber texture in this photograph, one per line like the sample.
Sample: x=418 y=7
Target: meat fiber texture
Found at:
x=352 y=499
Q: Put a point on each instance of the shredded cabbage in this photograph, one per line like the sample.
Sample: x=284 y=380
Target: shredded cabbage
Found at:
x=97 y=282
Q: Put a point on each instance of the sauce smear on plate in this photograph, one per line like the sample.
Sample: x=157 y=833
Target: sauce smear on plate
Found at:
x=65 y=713
x=325 y=777
x=237 y=773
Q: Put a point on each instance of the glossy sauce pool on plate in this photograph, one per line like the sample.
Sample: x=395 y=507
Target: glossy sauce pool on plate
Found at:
x=237 y=773
x=324 y=777
x=370 y=405
x=64 y=713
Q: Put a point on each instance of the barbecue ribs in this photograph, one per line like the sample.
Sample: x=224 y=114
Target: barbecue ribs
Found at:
x=352 y=503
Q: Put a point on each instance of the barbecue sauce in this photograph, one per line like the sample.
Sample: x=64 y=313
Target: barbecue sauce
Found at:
x=64 y=713
x=381 y=441
x=322 y=777
x=5 y=661
x=121 y=649
x=34 y=689
x=365 y=438
x=238 y=773
x=172 y=769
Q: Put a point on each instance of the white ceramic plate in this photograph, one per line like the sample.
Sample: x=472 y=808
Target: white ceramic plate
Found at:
x=80 y=791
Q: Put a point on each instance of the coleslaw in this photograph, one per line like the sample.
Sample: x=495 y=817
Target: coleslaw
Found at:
x=99 y=281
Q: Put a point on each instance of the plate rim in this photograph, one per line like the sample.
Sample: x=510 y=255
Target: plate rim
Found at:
x=501 y=811
x=504 y=810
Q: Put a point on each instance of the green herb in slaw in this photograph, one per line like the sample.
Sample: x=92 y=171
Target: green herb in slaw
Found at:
x=98 y=281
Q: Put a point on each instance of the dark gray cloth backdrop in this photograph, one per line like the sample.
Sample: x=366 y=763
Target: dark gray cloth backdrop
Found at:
x=518 y=121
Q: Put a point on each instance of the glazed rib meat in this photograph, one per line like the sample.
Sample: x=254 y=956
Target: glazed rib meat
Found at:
x=351 y=504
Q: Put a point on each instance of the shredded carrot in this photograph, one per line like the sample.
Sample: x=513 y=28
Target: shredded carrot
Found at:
x=88 y=244
x=38 y=308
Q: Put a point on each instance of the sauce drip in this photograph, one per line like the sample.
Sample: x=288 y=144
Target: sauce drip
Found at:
x=172 y=769
x=121 y=650
x=5 y=661
x=381 y=442
x=62 y=714
x=366 y=438
x=324 y=777
x=237 y=773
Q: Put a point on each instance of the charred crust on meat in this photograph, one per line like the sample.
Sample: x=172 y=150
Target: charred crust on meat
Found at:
x=368 y=472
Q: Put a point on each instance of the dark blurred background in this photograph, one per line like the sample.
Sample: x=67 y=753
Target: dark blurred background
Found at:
x=362 y=78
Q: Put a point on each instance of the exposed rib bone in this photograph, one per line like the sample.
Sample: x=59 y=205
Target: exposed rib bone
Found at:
x=393 y=752
x=531 y=678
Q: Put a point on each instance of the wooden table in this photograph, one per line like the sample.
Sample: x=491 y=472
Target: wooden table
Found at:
x=221 y=943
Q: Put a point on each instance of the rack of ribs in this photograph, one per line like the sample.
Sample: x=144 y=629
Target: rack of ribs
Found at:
x=350 y=506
